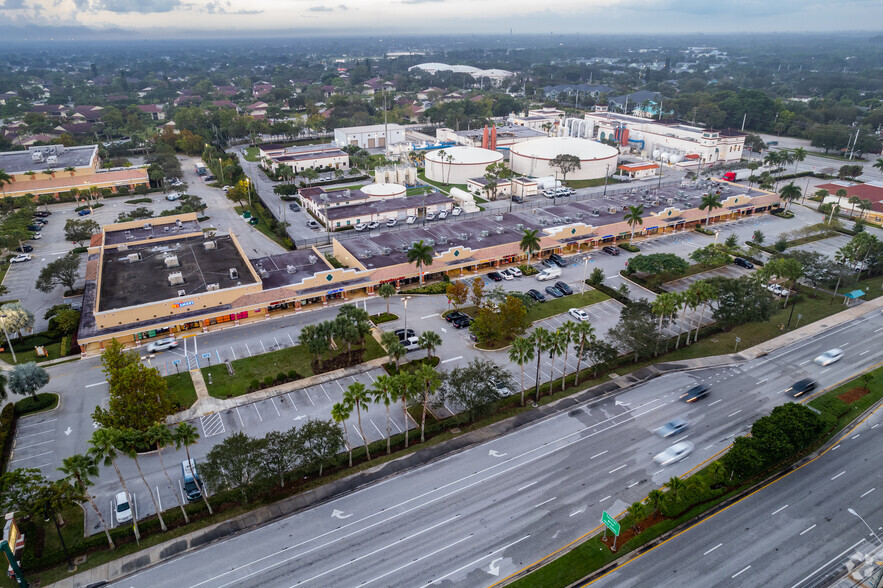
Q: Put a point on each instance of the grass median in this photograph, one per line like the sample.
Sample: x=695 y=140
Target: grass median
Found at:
x=554 y=306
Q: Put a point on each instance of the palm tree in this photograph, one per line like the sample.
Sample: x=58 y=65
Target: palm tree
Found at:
x=583 y=333
x=340 y=412
x=709 y=201
x=865 y=206
x=854 y=200
x=798 y=155
x=5 y=178
x=404 y=387
x=557 y=345
x=394 y=348
x=71 y=170
x=665 y=305
x=382 y=390
x=530 y=242
x=129 y=442
x=80 y=470
x=540 y=339
x=430 y=380
x=716 y=471
x=429 y=340
x=675 y=485
x=420 y=254
x=186 y=434
x=790 y=193
x=877 y=164
x=161 y=436
x=356 y=395
x=567 y=337
x=103 y=448
x=655 y=498
x=521 y=352
x=636 y=512
x=703 y=293
x=633 y=218
x=681 y=299
x=772 y=159
x=386 y=291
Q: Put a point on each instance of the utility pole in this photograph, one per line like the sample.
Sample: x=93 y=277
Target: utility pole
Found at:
x=851 y=153
x=744 y=118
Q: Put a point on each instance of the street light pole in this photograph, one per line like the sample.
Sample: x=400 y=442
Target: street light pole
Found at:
x=874 y=533
x=606 y=174
x=585 y=271
x=8 y=342
x=405 y=302
x=221 y=167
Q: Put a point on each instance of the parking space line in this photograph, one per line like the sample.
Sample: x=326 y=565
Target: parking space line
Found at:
x=309 y=397
x=277 y=343
x=249 y=350
x=356 y=429
x=31 y=456
x=34 y=434
x=255 y=405
x=262 y=346
x=25 y=426
x=234 y=353
x=240 y=417
x=158 y=499
x=326 y=392
x=292 y=400
x=379 y=432
x=34 y=444
x=277 y=408
x=290 y=339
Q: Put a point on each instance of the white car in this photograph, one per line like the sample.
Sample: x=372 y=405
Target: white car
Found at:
x=579 y=314
x=410 y=220
x=430 y=216
x=515 y=272
x=122 y=508
x=161 y=345
x=20 y=258
x=391 y=222
x=173 y=196
x=456 y=211
x=506 y=275
x=373 y=225
x=674 y=454
x=36 y=236
x=829 y=357
x=442 y=214
x=361 y=226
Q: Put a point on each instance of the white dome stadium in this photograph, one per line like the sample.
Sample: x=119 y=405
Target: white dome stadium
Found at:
x=465 y=163
x=384 y=190
x=531 y=158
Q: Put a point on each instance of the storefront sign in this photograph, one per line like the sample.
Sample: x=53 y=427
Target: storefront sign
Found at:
x=182 y=304
x=338 y=291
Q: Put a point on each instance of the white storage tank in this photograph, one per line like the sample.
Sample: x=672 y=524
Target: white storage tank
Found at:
x=464 y=163
x=532 y=158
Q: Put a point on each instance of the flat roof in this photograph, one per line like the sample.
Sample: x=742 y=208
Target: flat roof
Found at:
x=506 y=131
x=154 y=231
x=274 y=268
x=387 y=205
x=127 y=283
x=370 y=128
x=18 y=162
x=335 y=196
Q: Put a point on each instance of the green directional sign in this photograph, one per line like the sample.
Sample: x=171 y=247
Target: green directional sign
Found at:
x=610 y=522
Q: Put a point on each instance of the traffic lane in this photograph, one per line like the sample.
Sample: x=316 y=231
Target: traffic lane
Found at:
x=796 y=515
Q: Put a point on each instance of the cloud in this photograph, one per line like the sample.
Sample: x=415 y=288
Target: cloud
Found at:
x=420 y=1
x=342 y=7
x=320 y=9
x=143 y=6
x=13 y=5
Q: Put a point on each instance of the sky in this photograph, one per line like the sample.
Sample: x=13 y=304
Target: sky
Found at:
x=248 y=18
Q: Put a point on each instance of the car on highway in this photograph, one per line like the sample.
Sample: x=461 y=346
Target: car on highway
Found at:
x=558 y=260
x=495 y=276
x=20 y=258
x=579 y=314
x=674 y=454
x=451 y=317
x=695 y=393
x=536 y=295
x=610 y=250
x=829 y=357
x=463 y=321
x=391 y=222
x=672 y=428
x=742 y=262
x=84 y=212
x=161 y=345
x=402 y=334
x=553 y=292
x=565 y=289
x=801 y=387
x=456 y=211
x=122 y=509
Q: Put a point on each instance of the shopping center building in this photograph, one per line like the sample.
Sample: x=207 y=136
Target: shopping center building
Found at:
x=168 y=277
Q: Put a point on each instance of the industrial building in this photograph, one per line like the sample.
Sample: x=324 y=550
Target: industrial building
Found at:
x=495 y=76
x=303 y=157
x=455 y=165
x=506 y=136
x=533 y=158
x=370 y=137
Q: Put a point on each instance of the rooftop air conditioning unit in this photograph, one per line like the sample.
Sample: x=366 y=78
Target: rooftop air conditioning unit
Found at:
x=367 y=254
x=234 y=273
x=313 y=259
x=290 y=269
x=213 y=287
x=387 y=250
x=147 y=226
x=464 y=236
x=430 y=242
x=484 y=233
x=403 y=248
x=501 y=230
x=133 y=257
x=178 y=223
x=176 y=279
x=568 y=219
x=36 y=156
x=172 y=261
x=346 y=193
x=182 y=292
x=264 y=273
x=210 y=245
x=670 y=200
x=612 y=210
x=123 y=247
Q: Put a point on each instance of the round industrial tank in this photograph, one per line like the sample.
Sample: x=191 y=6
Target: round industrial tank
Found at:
x=675 y=157
x=656 y=153
x=464 y=163
x=664 y=156
x=533 y=158
x=384 y=190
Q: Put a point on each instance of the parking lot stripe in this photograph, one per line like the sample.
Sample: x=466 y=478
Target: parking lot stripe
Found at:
x=326 y=393
x=35 y=444
x=277 y=408
x=35 y=434
x=249 y=350
x=31 y=456
x=255 y=405
x=277 y=343
x=290 y=339
x=262 y=346
x=379 y=432
x=240 y=417
x=26 y=425
x=292 y=400
x=234 y=353
x=310 y=398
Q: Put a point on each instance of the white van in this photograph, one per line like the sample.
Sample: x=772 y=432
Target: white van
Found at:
x=549 y=273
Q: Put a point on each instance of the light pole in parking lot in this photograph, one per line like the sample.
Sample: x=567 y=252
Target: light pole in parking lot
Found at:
x=852 y=512
x=3 y=323
x=405 y=302
x=585 y=272
x=606 y=174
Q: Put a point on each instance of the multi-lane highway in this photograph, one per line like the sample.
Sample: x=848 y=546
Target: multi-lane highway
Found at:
x=486 y=512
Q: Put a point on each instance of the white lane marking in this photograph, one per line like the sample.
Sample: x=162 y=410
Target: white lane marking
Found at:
x=807 y=530
x=659 y=472
x=825 y=370
x=865 y=351
x=855 y=436
x=745 y=569
x=778 y=510
x=234 y=353
x=526 y=487
x=255 y=405
x=603 y=499
x=240 y=418
x=875 y=426
x=96 y=384
x=708 y=447
x=262 y=347
x=878 y=330
x=734 y=414
x=761 y=382
x=598 y=454
x=30 y=456
x=25 y=426
x=868 y=492
x=452 y=359
x=712 y=549
x=633 y=485
x=472 y=564
x=247 y=349
x=545 y=502
x=617 y=469
x=838 y=475
x=278 y=414
x=576 y=512
x=835 y=447
x=715 y=402
x=823 y=566
x=803 y=362
x=292 y=401
x=428 y=316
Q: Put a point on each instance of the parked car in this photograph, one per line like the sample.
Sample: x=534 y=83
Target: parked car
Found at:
x=558 y=260
x=173 y=196
x=209 y=178
x=495 y=276
x=553 y=292
x=829 y=357
x=410 y=220
x=373 y=225
x=391 y=222
x=226 y=188
x=610 y=250
x=695 y=393
x=451 y=317
x=463 y=321
x=37 y=236
x=402 y=334
x=293 y=206
x=42 y=213
x=741 y=262
x=549 y=193
x=506 y=275
x=430 y=216
x=565 y=289
x=516 y=273
x=24 y=249
x=549 y=273
x=456 y=211
x=672 y=428
x=40 y=222
x=361 y=226
x=442 y=214
x=548 y=262
x=312 y=224
x=20 y=258
x=801 y=387
x=674 y=454
x=84 y=212
x=536 y=295
x=579 y=314
x=517 y=199
x=161 y=345
x=411 y=344
x=122 y=508
x=34 y=228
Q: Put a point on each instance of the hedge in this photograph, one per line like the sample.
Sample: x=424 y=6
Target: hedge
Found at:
x=434 y=288
x=38 y=403
x=612 y=292
x=7 y=433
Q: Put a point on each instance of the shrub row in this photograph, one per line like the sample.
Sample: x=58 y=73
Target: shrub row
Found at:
x=613 y=293
x=270 y=381
x=7 y=433
x=37 y=403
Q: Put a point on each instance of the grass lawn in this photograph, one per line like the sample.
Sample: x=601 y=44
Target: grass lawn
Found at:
x=872 y=287
x=441 y=186
x=577 y=184
x=251 y=154
x=26 y=355
x=554 y=306
x=261 y=226
x=181 y=389
x=873 y=381
x=259 y=367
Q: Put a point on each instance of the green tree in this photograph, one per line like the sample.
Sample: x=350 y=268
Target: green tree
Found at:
x=383 y=392
x=655 y=263
x=633 y=218
x=279 y=453
x=405 y=387
x=319 y=441
x=740 y=301
x=430 y=341
x=340 y=412
x=732 y=241
x=520 y=352
x=64 y=271
x=565 y=164
x=698 y=295
x=420 y=254
x=665 y=307
x=78 y=231
x=129 y=441
x=675 y=486
x=786 y=268
x=102 y=447
x=81 y=470
x=475 y=387
x=16 y=318
x=530 y=242
x=709 y=202
x=655 y=498
x=394 y=348
x=877 y=165
x=540 y=338
x=638 y=330
x=583 y=333
x=636 y=512
x=6 y=179
x=186 y=435
x=565 y=334
x=430 y=380
x=160 y=436
x=790 y=193
x=596 y=278
x=234 y=464
x=386 y=291
x=26 y=379
x=356 y=395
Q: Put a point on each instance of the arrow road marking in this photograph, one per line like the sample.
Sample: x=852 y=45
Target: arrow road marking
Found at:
x=495 y=567
x=300 y=416
x=68 y=431
x=338 y=514
x=493 y=453
x=444 y=330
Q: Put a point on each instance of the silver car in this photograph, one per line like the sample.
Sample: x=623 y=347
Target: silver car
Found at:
x=672 y=428
x=674 y=454
x=829 y=357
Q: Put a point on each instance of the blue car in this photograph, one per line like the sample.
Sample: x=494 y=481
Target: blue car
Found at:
x=84 y=212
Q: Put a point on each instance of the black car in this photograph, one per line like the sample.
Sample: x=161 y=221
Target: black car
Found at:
x=610 y=250
x=558 y=260
x=548 y=262
x=536 y=295
x=463 y=321
x=495 y=276
x=41 y=221
x=695 y=393
x=554 y=292
x=743 y=263
x=455 y=315
x=35 y=227
x=801 y=387
x=24 y=249
x=210 y=178
x=402 y=335
x=294 y=207
x=42 y=213
x=565 y=289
